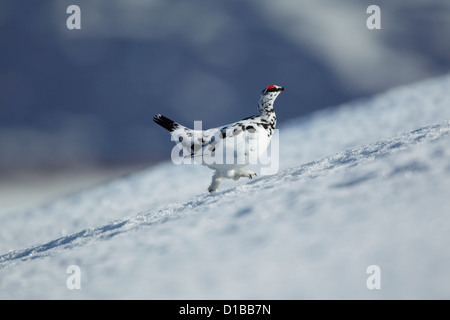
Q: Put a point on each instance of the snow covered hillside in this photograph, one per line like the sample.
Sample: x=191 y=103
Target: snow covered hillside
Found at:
x=362 y=184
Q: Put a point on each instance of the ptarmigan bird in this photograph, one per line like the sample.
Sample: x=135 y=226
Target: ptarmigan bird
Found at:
x=229 y=148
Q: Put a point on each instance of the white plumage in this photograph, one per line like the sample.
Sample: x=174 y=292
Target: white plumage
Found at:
x=229 y=148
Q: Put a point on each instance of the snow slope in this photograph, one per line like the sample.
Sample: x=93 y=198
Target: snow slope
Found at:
x=352 y=191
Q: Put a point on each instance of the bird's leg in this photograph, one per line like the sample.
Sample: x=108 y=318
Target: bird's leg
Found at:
x=235 y=174
x=238 y=173
x=216 y=180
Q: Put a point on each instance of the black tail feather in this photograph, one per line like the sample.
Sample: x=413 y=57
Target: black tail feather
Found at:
x=166 y=123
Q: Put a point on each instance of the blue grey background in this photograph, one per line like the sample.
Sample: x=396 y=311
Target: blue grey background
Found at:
x=71 y=97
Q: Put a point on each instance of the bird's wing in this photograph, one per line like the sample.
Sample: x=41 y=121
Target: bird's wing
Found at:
x=204 y=143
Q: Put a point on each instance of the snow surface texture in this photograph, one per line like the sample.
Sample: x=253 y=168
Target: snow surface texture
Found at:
x=352 y=191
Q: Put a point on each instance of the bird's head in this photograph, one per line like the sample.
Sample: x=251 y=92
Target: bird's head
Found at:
x=268 y=96
x=272 y=88
x=271 y=92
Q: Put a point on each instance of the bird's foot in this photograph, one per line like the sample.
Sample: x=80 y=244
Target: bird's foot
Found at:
x=216 y=180
x=245 y=173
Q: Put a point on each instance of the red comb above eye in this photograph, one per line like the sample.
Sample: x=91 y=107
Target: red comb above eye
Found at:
x=271 y=86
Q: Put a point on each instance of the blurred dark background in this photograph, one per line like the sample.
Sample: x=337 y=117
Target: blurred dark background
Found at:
x=77 y=99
